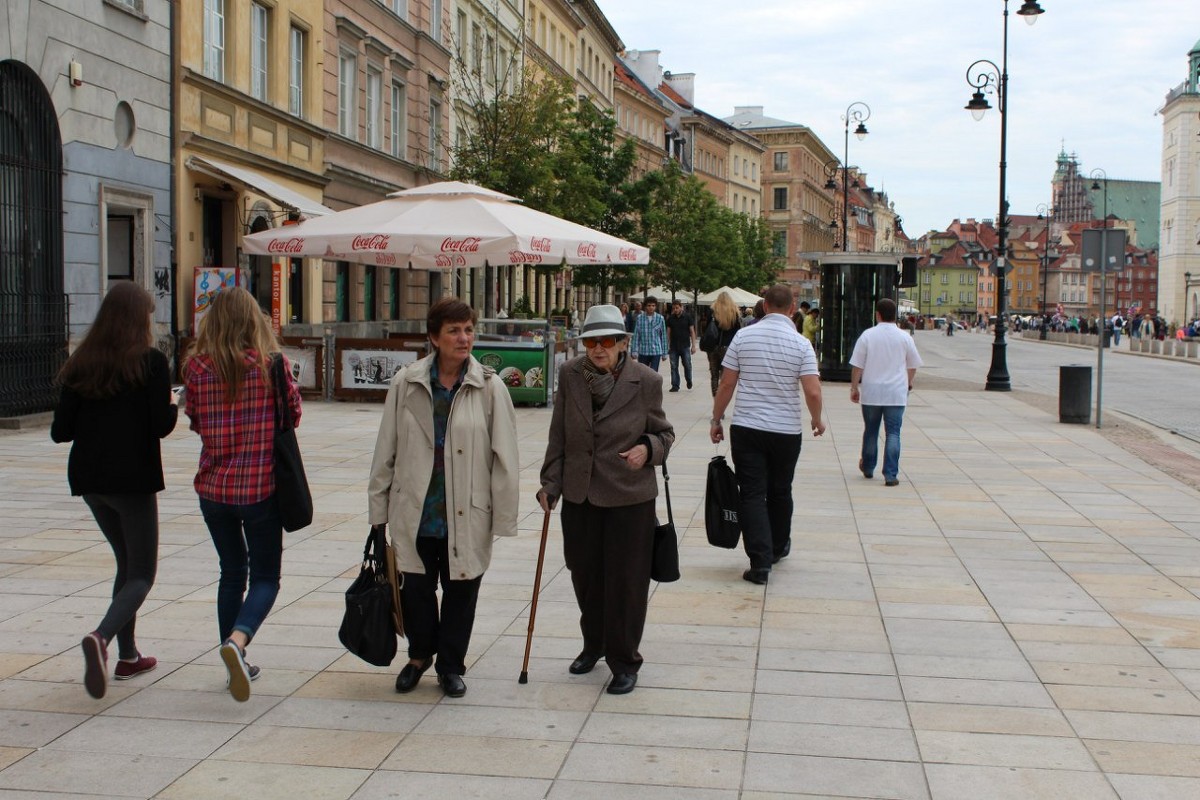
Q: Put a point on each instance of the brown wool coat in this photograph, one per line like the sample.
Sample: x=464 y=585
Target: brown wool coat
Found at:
x=581 y=461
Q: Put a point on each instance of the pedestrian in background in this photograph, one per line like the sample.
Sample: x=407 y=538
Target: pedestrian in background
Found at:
x=681 y=334
x=230 y=400
x=729 y=322
x=115 y=407
x=649 y=343
x=771 y=367
x=882 y=368
x=607 y=434
x=445 y=477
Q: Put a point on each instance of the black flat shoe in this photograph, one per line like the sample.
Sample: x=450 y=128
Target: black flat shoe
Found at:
x=623 y=683
x=782 y=554
x=406 y=681
x=452 y=685
x=583 y=663
x=759 y=576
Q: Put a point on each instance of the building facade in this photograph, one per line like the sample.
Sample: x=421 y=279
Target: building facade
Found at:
x=85 y=178
x=1178 y=297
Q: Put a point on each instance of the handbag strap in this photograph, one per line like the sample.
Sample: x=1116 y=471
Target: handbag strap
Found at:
x=667 y=490
x=283 y=411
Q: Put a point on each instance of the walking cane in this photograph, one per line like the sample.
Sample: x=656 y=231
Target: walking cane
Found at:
x=537 y=585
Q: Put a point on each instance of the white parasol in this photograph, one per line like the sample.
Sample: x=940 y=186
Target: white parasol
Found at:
x=445 y=226
x=740 y=297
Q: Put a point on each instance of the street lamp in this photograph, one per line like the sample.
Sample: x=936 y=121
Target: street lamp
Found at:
x=1187 y=287
x=831 y=168
x=990 y=78
x=857 y=112
x=1045 y=212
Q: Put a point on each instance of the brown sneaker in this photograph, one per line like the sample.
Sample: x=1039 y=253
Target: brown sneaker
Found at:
x=95 y=664
x=131 y=669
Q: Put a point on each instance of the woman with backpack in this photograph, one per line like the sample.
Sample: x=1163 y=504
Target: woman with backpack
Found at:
x=720 y=332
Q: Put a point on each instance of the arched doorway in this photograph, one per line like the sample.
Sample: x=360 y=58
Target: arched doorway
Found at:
x=33 y=308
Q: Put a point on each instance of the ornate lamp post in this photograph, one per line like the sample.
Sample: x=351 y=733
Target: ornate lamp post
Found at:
x=1045 y=212
x=1187 y=287
x=831 y=168
x=857 y=112
x=985 y=76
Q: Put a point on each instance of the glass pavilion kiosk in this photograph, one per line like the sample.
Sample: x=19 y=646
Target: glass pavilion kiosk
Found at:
x=851 y=283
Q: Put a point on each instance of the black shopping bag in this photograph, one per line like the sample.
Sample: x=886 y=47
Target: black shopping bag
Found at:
x=721 y=505
x=368 y=629
x=664 y=560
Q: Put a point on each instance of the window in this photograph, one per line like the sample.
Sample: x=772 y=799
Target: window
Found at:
x=347 y=74
x=945 y=279
x=374 y=108
x=400 y=7
x=490 y=58
x=214 y=39
x=781 y=198
x=435 y=133
x=476 y=49
x=296 y=72
x=259 y=57
x=779 y=245
x=399 y=120
x=435 y=20
x=735 y=166
x=781 y=162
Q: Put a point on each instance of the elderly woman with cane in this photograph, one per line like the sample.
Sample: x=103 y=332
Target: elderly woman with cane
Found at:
x=445 y=477
x=607 y=433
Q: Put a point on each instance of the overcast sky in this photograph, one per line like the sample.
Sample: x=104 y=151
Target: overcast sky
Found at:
x=1091 y=74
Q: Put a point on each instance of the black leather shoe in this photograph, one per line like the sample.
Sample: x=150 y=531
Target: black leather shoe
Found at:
x=623 y=683
x=759 y=576
x=865 y=473
x=782 y=554
x=452 y=685
x=406 y=681
x=583 y=663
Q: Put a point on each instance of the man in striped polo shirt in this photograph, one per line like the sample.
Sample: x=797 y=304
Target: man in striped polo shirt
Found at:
x=770 y=365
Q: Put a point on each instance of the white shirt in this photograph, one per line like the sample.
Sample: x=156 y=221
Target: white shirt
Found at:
x=770 y=357
x=885 y=354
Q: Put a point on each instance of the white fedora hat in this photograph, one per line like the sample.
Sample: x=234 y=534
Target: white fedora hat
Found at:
x=603 y=321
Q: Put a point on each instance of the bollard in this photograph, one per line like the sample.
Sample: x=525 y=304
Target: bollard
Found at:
x=1075 y=394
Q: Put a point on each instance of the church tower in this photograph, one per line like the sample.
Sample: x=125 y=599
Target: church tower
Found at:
x=1179 y=242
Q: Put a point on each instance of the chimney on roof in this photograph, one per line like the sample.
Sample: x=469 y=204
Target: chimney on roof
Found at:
x=684 y=83
x=756 y=110
x=644 y=64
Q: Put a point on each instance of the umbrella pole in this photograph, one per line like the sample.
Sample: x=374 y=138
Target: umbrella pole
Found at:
x=537 y=585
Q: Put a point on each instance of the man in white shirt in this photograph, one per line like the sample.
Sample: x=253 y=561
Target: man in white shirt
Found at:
x=769 y=363
x=882 y=368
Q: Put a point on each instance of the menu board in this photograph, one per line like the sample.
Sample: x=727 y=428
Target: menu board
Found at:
x=522 y=367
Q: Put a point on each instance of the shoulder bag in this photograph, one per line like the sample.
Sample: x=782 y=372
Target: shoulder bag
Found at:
x=291 y=484
x=721 y=498
x=368 y=627
x=664 y=561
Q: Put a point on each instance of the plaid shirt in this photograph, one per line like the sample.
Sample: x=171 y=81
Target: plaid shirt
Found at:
x=236 y=441
x=649 y=336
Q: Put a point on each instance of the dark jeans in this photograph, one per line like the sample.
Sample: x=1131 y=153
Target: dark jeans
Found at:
x=714 y=367
x=249 y=542
x=765 y=463
x=446 y=634
x=608 y=552
x=650 y=361
x=684 y=355
x=892 y=418
x=130 y=523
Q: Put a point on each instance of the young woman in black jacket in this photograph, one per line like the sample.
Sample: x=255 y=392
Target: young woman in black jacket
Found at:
x=116 y=405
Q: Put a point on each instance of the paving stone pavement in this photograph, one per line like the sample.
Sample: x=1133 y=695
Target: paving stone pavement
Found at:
x=1019 y=618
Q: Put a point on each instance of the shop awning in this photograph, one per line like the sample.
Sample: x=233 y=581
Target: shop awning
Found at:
x=260 y=184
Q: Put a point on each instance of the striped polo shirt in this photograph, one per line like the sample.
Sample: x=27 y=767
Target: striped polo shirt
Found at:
x=770 y=357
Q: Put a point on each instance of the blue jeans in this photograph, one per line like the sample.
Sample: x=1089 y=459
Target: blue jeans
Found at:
x=1116 y=340
x=249 y=542
x=650 y=361
x=684 y=355
x=892 y=417
x=765 y=463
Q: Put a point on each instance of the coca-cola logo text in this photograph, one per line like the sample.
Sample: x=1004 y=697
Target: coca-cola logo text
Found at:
x=539 y=244
x=627 y=254
x=470 y=244
x=376 y=241
x=519 y=257
x=586 y=250
x=292 y=245
x=385 y=259
x=448 y=262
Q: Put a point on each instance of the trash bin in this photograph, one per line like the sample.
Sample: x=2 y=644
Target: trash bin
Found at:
x=1075 y=394
x=1108 y=338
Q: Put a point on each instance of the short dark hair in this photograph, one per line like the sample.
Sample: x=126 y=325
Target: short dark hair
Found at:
x=778 y=297
x=805 y=306
x=448 y=309
x=886 y=309
x=650 y=299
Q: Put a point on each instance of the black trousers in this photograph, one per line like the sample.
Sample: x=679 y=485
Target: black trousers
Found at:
x=130 y=524
x=765 y=463
x=608 y=552
x=445 y=633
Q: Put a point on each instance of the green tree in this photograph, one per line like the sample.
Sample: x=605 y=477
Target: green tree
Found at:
x=757 y=265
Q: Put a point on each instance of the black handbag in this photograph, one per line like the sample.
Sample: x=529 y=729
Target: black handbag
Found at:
x=368 y=629
x=664 y=560
x=721 y=499
x=291 y=484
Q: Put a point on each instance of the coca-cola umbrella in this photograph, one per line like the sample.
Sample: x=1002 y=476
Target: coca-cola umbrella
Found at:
x=444 y=226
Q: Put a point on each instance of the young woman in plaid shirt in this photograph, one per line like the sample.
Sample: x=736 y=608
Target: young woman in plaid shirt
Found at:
x=230 y=401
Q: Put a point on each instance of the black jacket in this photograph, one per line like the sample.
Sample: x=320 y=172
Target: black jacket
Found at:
x=116 y=439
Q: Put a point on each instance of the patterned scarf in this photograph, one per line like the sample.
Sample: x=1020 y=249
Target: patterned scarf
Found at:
x=600 y=382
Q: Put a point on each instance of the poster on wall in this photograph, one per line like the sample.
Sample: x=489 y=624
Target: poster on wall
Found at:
x=303 y=361
x=520 y=366
x=372 y=369
x=207 y=281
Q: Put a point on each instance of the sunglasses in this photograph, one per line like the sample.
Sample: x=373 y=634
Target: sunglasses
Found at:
x=603 y=341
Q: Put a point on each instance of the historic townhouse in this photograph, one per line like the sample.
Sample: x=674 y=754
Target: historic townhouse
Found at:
x=250 y=150
x=794 y=199
x=385 y=104
x=1179 y=288
x=85 y=178
x=642 y=117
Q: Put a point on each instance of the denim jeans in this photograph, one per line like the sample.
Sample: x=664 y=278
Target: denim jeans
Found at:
x=249 y=542
x=892 y=417
x=684 y=355
x=765 y=463
x=650 y=361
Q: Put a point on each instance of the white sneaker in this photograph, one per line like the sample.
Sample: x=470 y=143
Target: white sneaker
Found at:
x=239 y=673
